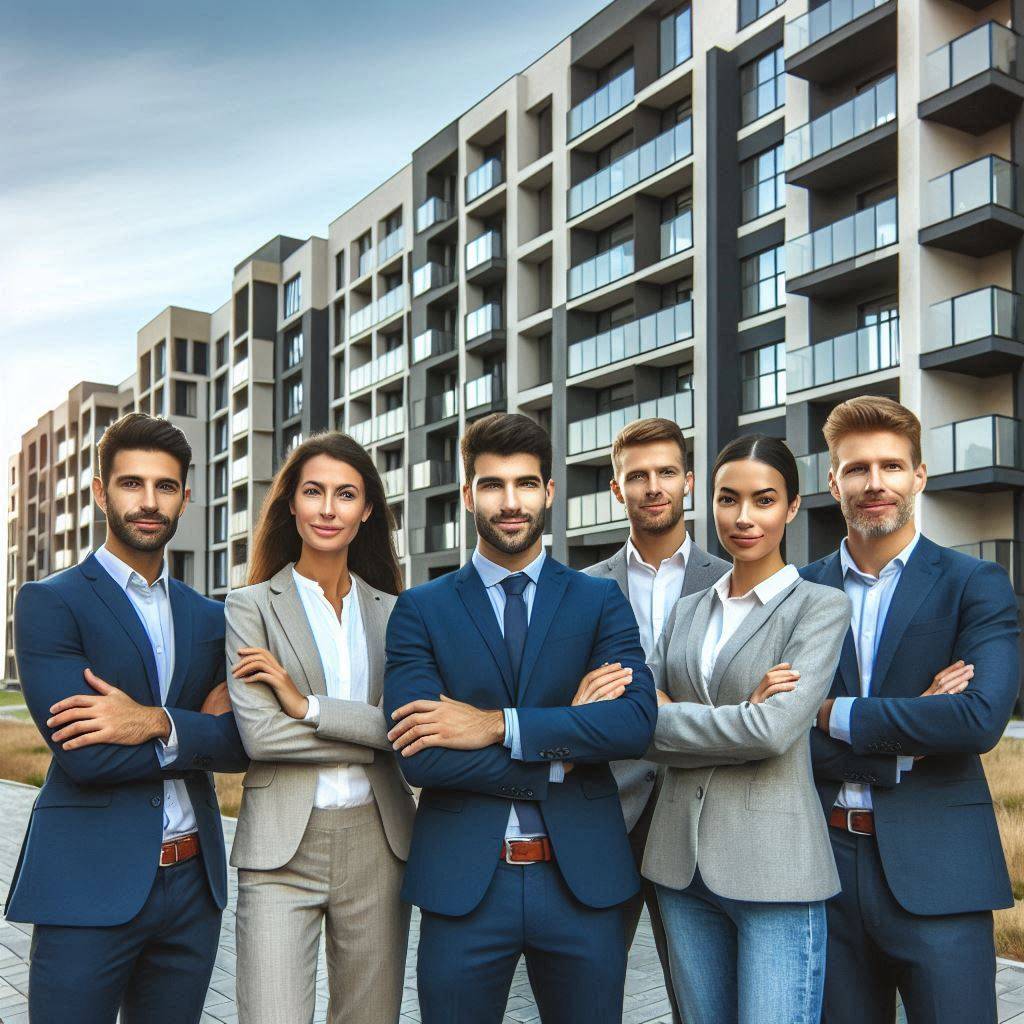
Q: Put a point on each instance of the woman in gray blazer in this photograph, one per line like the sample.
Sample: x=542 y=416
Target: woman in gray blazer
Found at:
x=326 y=817
x=738 y=847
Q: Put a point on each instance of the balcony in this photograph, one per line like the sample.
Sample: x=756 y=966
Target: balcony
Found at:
x=365 y=264
x=425 y=540
x=63 y=559
x=813 y=474
x=432 y=473
x=63 y=522
x=240 y=422
x=600 y=509
x=435 y=408
x=643 y=162
x=828 y=261
x=973 y=210
x=596 y=433
x=677 y=234
x=1006 y=553
x=239 y=575
x=432 y=212
x=61 y=490
x=85 y=477
x=373 y=313
x=84 y=516
x=600 y=270
x=600 y=105
x=485 y=259
x=430 y=276
x=868 y=350
x=977 y=333
x=846 y=145
x=489 y=175
x=628 y=341
x=378 y=428
x=384 y=366
x=239 y=373
x=982 y=454
x=973 y=83
x=486 y=393
x=390 y=246
x=398 y=536
x=484 y=322
x=432 y=342
x=239 y=523
x=240 y=469
x=829 y=42
x=393 y=481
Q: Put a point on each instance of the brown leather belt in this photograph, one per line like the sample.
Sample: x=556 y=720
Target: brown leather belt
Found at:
x=176 y=851
x=526 y=851
x=860 y=823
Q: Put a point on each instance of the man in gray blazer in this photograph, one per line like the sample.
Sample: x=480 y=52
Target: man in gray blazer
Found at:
x=657 y=565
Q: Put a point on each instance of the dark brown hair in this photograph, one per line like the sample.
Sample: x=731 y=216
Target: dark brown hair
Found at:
x=868 y=413
x=505 y=434
x=371 y=555
x=761 y=448
x=138 y=431
x=648 y=431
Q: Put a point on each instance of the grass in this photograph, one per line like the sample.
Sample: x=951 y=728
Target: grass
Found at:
x=11 y=698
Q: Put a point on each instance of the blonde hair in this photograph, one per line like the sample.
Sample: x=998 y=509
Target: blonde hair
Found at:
x=648 y=431
x=868 y=413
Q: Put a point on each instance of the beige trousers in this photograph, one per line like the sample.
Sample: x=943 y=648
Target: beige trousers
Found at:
x=345 y=877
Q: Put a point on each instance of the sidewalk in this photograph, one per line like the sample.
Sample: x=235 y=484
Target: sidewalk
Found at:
x=646 y=1002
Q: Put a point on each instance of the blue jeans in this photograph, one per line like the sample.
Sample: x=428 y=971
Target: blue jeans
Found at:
x=737 y=962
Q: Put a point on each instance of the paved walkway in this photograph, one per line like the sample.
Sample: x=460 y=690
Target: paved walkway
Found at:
x=646 y=1002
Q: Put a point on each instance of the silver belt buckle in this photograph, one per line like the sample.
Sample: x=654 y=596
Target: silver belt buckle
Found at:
x=850 y=812
x=508 y=855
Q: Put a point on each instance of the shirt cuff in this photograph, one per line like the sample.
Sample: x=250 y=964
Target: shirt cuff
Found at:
x=904 y=763
x=839 y=719
x=167 y=750
x=557 y=773
x=512 y=740
x=313 y=711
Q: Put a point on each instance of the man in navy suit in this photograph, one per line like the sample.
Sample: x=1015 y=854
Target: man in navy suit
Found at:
x=926 y=682
x=122 y=871
x=519 y=845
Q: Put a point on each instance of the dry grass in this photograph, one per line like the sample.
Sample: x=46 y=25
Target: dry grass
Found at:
x=1004 y=767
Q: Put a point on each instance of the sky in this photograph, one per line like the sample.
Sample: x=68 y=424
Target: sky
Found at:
x=149 y=147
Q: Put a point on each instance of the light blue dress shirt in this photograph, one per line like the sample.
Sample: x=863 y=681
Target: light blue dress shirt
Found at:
x=870 y=597
x=492 y=574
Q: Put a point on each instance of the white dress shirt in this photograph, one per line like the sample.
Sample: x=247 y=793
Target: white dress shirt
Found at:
x=653 y=592
x=153 y=605
x=728 y=612
x=342 y=646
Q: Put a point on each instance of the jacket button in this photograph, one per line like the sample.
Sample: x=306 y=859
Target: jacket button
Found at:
x=529 y=792
x=700 y=792
x=651 y=776
x=156 y=801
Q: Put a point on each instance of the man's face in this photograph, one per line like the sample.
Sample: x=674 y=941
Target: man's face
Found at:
x=508 y=499
x=144 y=498
x=651 y=483
x=875 y=482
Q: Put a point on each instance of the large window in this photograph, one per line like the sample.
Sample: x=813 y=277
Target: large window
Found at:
x=763 y=282
x=181 y=355
x=676 y=40
x=293 y=401
x=184 y=398
x=751 y=10
x=293 y=296
x=763 y=179
x=220 y=524
x=200 y=357
x=762 y=86
x=763 y=377
x=293 y=347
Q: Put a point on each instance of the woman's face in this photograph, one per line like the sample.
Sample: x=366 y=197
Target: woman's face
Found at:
x=751 y=509
x=329 y=504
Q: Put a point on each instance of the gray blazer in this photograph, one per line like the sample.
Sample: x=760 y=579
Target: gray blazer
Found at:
x=279 y=787
x=636 y=779
x=738 y=800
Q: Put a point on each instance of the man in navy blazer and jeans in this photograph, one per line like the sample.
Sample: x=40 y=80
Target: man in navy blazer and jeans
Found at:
x=122 y=872
x=926 y=683
x=519 y=844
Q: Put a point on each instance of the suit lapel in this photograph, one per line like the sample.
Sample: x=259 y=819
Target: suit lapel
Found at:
x=371 y=607
x=551 y=584
x=697 y=575
x=849 y=667
x=618 y=570
x=287 y=605
x=181 y=616
x=473 y=594
x=698 y=628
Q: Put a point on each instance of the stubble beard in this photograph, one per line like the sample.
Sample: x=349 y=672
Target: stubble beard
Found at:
x=510 y=545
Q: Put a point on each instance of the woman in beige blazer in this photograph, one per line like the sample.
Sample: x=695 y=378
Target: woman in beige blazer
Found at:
x=738 y=848
x=326 y=817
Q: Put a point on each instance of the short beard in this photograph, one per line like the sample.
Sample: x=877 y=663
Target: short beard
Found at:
x=509 y=546
x=122 y=529
x=676 y=514
x=874 y=528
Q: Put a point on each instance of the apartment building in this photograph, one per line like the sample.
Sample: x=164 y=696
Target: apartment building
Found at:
x=735 y=213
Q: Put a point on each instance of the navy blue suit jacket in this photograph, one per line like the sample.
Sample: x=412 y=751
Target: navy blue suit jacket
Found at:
x=937 y=832
x=93 y=844
x=443 y=637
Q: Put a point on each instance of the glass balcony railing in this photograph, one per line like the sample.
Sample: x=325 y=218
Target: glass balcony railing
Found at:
x=982 y=443
x=601 y=269
x=239 y=575
x=442 y=537
x=597 y=432
x=481 y=250
x=483 y=320
x=434 y=408
x=85 y=477
x=239 y=469
x=488 y=175
x=362 y=319
x=63 y=559
x=384 y=366
x=863 y=232
x=985 y=313
x=485 y=390
x=429 y=276
x=990 y=180
x=399 y=538
x=239 y=522
x=990 y=47
x=627 y=341
x=865 y=112
x=393 y=481
x=809 y=28
x=872 y=348
x=643 y=162
x=385 y=424
x=432 y=342
x=677 y=234
x=602 y=104
x=61 y=490
x=813 y=472
x=240 y=422
x=240 y=373
x=432 y=473
x=373 y=313
x=1006 y=553
x=391 y=245
x=84 y=516
x=432 y=212
x=365 y=264
x=600 y=509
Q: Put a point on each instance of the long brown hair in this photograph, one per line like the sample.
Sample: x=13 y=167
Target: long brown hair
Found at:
x=371 y=555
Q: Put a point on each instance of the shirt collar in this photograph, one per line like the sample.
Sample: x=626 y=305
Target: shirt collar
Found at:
x=765 y=590
x=680 y=556
x=898 y=562
x=314 y=587
x=123 y=574
x=492 y=574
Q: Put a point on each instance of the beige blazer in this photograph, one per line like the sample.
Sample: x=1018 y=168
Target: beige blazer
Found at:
x=280 y=785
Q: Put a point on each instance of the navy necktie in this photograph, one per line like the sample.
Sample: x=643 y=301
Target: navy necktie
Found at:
x=515 y=641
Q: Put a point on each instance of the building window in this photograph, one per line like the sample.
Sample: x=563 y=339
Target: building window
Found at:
x=292 y=439
x=293 y=349
x=751 y=10
x=220 y=436
x=181 y=566
x=763 y=280
x=220 y=480
x=293 y=400
x=220 y=392
x=184 y=398
x=222 y=351
x=763 y=179
x=763 y=373
x=762 y=86
x=220 y=570
x=159 y=408
x=220 y=524
x=339 y=270
x=159 y=361
x=200 y=357
x=676 y=40
x=181 y=355
x=364 y=248
x=292 y=296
